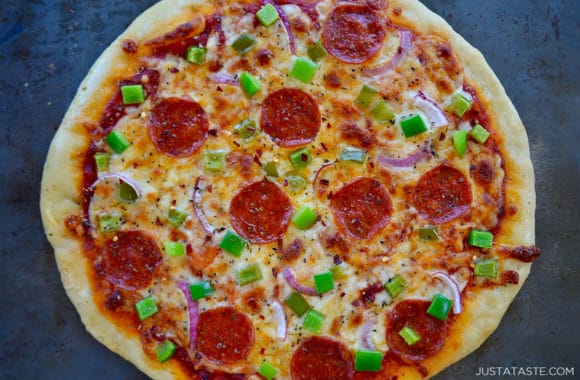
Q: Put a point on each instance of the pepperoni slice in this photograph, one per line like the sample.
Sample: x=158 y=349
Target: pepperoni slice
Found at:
x=178 y=127
x=321 y=358
x=442 y=194
x=290 y=117
x=413 y=313
x=353 y=33
x=224 y=335
x=261 y=212
x=129 y=259
x=361 y=208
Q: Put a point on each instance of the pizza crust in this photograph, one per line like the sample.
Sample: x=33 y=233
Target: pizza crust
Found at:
x=60 y=195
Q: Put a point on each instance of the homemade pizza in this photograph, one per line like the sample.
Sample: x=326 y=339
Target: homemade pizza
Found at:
x=291 y=189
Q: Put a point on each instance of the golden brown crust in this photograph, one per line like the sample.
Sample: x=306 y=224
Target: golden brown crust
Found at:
x=60 y=197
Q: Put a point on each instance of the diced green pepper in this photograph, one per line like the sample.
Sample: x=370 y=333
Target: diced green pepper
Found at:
x=249 y=84
x=303 y=69
x=117 y=142
x=481 y=239
x=266 y=369
x=267 y=15
x=102 y=161
x=246 y=129
x=396 y=285
x=366 y=360
x=316 y=51
x=295 y=181
x=409 y=335
x=440 y=307
x=304 y=218
x=201 y=290
x=109 y=222
x=429 y=233
x=271 y=169
x=196 y=55
x=146 y=308
x=214 y=161
x=486 y=268
x=313 y=321
x=460 y=142
x=249 y=274
x=479 y=134
x=233 y=244
x=350 y=153
x=337 y=272
x=382 y=112
x=244 y=43
x=297 y=303
x=174 y=248
x=413 y=125
x=323 y=282
x=165 y=351
x=301 y=158
x=176 y=217
x=460 y=105
x=133 y=94
x=365 y=96
x=127 y=193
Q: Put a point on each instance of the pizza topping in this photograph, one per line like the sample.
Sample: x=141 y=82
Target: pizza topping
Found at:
x=440 y=307
x=304 y=218
x=510 y=277
x=405 y=45
x=176 y=217
x=452 y=285
x=460 y=105
x=197 y=193
x=280 y=318
x=367 y=334
x=353 y=33
x=361 y=208
x=129 y=189
x=250 y=84
x=129 y=46
x=165 y=351
x=223 y=78
x=146 y=308
x=261 y=212
x=303 y=70
x=368 y=360
x=195 y=55
x=365 y=96
x=413 y=313
x=192 y=309
x=313 y=321
x=409 y=335
x=479 y=134
x=320 y=358
x=244 y=43
x=178 y=127
x=381 y=112
x=316 y=51
x=323 y=282
x=526 y=254
x=109 y=223
x=413 y=125
x=424 y=153
x=353 y=154
x=290 y=117
x=267 y=15
x=233 y=244
x=224 y=335
x=129 y=259
x=442 y=194
x=174 y=248
x=117 y=142
x=351 y=131
x=460 y=142
x=249 y=274
x=285 y=24
x=102 y=161
x=289 y=277
x=396 y=285
x=133 y=94
x=481 y=239
x=435 y=114
x=486 y=268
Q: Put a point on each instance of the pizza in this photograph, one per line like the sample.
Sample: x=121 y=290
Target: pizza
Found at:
x=293 y=189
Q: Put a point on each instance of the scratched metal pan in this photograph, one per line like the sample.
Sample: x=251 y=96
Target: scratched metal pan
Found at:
x=47 y=47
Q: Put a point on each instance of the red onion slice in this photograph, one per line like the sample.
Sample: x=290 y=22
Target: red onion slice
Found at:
x=193 y=312
x=366 y=334
x=226 y=79
x=412 y=160
x=435 y=114
x=280 y=318
x=286 y=24
x=123 y=178
x=289 y=277
x=318 y=173
x=447 y=280
x=404 y=47
x=199 y=183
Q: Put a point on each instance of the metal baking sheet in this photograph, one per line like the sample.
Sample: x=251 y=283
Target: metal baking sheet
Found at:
x=47 y=47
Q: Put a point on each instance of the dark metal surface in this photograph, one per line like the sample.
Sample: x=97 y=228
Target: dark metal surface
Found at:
x=47 y=47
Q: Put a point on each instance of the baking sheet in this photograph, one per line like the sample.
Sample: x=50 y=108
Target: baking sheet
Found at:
x=47 y=47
